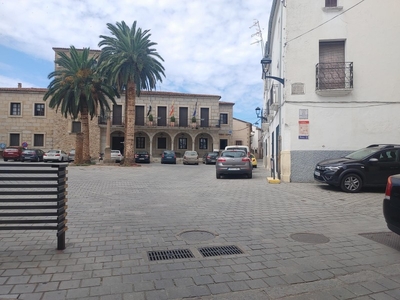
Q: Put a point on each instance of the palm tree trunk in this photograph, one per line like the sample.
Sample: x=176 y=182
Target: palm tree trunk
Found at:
x=85 y=131
x=78 y=149
x=130 y=99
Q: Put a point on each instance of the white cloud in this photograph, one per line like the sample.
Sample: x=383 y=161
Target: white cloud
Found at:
x=206 y=44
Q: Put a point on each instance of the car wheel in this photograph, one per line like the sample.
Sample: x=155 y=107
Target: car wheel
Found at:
x=22 y=160
x=250 y=175
x=218 y=176
x=351 y=183
x=5 y=159
x=255 y=166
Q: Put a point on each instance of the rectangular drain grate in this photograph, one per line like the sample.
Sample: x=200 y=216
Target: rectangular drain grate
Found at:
x=169 y=254
x=389 y=239
x=220 y=250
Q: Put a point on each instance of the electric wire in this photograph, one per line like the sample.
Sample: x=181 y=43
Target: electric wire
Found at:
x=324 y=22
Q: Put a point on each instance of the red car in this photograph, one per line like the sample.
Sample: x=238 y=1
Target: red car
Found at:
x=13 y=152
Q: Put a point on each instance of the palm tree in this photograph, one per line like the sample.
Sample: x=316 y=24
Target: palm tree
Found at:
x=78 y=89
x=131 y=64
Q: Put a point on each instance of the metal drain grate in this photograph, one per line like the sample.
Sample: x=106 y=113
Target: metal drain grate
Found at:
x=170 y=254
x=389 y=239
x=219 y=250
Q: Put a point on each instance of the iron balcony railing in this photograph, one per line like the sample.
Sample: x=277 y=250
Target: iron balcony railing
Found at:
x=159 y=121
x=334 y=75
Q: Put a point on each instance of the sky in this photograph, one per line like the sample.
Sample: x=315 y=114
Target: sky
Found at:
x=208 y=46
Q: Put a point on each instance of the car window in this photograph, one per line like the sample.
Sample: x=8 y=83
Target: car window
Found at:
x=53 y=151
x=361 y=154
x=233 y=154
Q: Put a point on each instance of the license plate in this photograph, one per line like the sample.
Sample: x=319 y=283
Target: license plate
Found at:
x=316 y=173
x=141 y=158
x=234 y=169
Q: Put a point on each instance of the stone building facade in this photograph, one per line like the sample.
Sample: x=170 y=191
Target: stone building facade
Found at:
x=26 y=118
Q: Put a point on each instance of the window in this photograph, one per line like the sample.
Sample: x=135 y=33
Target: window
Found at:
x=182 y=143
x=162 y=143
x=140 y=142
x=332 y=72
x=14 y=139
x=15 y=109
x=39 y=109
x=330 y=3
x=38 y=140
x=203 y=143
x=223 y=118
x=238 y=143
x=76 y=127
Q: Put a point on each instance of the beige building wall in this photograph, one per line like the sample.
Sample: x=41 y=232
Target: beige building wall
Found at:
x=241 y=134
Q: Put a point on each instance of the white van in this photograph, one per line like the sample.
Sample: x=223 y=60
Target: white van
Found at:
x=239 y=147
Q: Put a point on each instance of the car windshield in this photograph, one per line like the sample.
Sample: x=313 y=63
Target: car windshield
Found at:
x=28 y=151
x=362 y=153
x=233 y=154
x=54 y=151
x=190 y=153
x=142 y=152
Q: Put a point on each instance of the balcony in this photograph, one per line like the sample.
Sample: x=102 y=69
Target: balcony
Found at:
x=334 y=79
x=159 y=122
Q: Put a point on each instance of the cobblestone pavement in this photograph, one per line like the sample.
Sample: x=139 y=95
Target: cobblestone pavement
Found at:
x=116 y=215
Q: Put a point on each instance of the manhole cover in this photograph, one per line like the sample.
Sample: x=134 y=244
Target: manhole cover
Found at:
x=389 y=239
x=312 y=238
x=197 y=235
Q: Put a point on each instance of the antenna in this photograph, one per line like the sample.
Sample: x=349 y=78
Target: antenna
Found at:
x=258 y=34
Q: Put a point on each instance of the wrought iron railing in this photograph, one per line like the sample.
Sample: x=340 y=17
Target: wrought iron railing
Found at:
x=200 y=123
x=334 y=75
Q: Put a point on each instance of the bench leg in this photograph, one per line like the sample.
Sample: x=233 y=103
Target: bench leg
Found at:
x=61 y=241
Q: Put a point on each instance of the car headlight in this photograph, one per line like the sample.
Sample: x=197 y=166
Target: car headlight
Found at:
x=333 y=168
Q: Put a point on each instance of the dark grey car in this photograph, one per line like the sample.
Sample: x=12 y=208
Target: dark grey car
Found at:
x=233 y=162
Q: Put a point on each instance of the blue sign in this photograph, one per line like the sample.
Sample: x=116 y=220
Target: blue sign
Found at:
x=24 y=144
x=2 y=146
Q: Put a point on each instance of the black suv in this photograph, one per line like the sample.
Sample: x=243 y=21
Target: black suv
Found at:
x=391 y=204
x=369 y=166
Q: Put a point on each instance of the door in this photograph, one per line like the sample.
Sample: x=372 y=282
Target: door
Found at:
x=139 y=115
x=118 y=143
x=204 y=117
x=183 y=116
x=117 y=116
x=331 y=65
x=161 y=116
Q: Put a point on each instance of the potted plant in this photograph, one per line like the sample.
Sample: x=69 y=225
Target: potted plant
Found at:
x=150 y=119
x=172 y=119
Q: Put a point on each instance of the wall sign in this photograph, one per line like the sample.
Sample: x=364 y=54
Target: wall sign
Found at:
x=304 y=129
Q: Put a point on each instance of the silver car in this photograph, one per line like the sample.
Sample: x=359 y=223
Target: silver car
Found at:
x=55 y=155
x=233 y=162
x=116 y=155
x=191 y=158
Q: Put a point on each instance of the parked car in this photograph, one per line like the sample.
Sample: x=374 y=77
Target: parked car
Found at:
x=71 y=155
x=168 y=157
x=142 y=156
x=370 y=166
x=32 y=155
x=391 y=203
x=116 y=155
x=191 y=158
x=253 y=160
x=12 y=152
x=233 y=162
x=55 y=155
x=210 y=158
x=239 y=147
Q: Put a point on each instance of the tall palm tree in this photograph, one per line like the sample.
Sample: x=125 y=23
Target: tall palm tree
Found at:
x=131 y=64
x=78 y=89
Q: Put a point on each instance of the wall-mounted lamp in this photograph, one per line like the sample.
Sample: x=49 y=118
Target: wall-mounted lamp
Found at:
x=259 y=113
x=266 y=62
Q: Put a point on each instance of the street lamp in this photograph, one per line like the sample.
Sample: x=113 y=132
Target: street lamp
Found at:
x=259 y=113
x=265 y=62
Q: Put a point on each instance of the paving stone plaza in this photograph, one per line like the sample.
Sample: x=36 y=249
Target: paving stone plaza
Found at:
x=296 y=240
